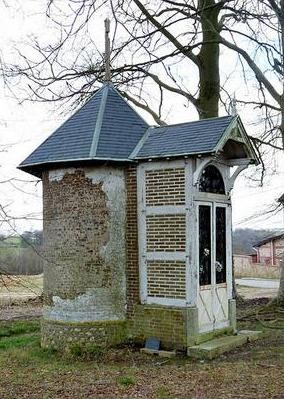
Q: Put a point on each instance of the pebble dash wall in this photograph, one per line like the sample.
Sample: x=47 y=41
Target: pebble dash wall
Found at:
x=85 y=255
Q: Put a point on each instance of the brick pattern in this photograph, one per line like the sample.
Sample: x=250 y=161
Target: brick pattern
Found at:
x=132 y=262
x=166 y=279
x=75 y=219
x=167 y=324
x=165 y=187
x=166 y=233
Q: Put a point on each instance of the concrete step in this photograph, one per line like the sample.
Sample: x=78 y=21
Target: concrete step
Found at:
x=217 y=346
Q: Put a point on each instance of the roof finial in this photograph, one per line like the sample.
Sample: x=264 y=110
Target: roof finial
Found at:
x=233 y=106
x=107 y=50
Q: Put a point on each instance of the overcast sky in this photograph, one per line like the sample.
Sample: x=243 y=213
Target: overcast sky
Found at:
x=25 y=126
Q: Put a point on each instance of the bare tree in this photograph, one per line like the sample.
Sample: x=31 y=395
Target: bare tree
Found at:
x=256 y=34
x=159 y=46
x=163 y=47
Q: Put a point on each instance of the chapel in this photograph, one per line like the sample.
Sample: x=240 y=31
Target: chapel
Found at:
x=137 y=224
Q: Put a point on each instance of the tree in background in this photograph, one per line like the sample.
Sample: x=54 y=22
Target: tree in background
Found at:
x=31 y=238
x=164 y=47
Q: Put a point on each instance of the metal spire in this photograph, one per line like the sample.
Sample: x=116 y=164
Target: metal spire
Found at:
x=107 y=51
x=233 y=106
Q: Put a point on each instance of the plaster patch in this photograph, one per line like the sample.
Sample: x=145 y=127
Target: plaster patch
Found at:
x=58 y=174
x=94 y=305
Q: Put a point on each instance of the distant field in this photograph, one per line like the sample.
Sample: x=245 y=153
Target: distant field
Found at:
x=19 y=288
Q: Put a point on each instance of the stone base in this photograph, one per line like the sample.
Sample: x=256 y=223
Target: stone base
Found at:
x=63 y=335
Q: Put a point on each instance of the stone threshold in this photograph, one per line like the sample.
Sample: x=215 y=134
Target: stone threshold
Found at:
x=217 y=346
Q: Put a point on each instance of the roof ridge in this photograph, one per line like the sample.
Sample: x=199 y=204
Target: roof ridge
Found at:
x=96 y=135
x=140 y=143
x=196 y=121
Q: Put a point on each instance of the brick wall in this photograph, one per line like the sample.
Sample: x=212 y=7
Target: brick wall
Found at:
x=132 y=263
x=165 y=323
x=165 y=187
x=166 y=233
x=167 y=279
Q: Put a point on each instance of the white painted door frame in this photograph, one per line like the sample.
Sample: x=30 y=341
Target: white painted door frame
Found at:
x=212 y=299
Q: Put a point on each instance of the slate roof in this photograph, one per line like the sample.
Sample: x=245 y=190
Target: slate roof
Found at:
x=183 y=139
x=105 y=127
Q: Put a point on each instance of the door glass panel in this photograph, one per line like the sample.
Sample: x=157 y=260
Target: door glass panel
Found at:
x=220 y=263
x=204 y=244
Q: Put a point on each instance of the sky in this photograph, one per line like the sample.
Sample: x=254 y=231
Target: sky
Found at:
x=25 y=126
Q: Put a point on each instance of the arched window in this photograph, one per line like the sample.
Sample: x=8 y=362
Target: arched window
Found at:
x=211 y=181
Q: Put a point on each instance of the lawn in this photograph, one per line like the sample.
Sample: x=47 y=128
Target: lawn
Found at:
x=254 y=371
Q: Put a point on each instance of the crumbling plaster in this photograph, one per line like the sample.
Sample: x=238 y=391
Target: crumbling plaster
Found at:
x=85 y=244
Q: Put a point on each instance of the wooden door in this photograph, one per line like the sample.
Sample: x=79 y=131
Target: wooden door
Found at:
x=213 y=262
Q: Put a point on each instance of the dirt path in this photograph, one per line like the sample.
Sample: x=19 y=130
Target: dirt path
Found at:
x=20 y=312
x=252 y=292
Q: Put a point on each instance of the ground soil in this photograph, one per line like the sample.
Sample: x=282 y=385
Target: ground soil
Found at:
x=254 y=371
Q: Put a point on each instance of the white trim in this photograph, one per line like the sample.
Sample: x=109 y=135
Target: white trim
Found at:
x=191 y=288
x=226 y=135
x=221 y=324
x=231 y=180
x=174 y=155
x=165 y=210
x=166 y=301
x=200 y=196
x=158 y=165
x=168 y=256
x=238 y=161
x=201 y=165
x=141 y=234
x=229 y=259
x=143 y=211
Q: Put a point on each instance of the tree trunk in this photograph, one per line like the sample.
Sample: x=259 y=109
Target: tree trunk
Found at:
x=208 y=57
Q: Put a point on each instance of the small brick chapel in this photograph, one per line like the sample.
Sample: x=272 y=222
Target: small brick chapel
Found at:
x=137 y=225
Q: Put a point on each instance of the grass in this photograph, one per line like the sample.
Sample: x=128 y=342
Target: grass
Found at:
x=126 y=380
x=18 y=327
x=254 y=371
